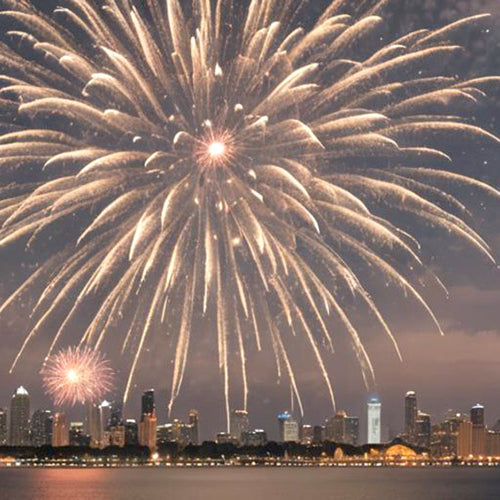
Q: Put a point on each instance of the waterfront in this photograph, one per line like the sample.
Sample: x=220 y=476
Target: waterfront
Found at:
x=251 y=483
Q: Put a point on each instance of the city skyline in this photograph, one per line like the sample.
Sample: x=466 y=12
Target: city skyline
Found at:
x=25 y=426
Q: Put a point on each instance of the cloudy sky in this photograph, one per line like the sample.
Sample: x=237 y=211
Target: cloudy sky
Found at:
x=454 y=371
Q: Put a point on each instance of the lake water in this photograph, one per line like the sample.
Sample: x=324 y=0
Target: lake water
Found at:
x=250 y=484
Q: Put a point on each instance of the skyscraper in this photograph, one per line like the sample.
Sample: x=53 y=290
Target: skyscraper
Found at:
x=94 y=425
x=288 y=428
x=374 y=421
x=148 y=402
x=306 y=434
x=351 y=433
x=115 y=418
x=19 y=418
x=335 y=427
x=464 y=439
x=3 y=427
x=60 y=430
x=41 y=428
x=478 y=430
x=477 y=415
x=411 y=415
x=239 y=423
x=148 y=423
x=194 y=419
x=423 y=430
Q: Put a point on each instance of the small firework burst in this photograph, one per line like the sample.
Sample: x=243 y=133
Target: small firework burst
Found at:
x=77 y=375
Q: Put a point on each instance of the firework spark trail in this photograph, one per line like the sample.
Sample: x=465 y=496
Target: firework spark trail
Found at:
x=227 y=163
x=77 y=375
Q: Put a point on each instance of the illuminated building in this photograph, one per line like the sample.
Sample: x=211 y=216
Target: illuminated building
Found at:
x=335 y=427
x=3 y=427
x=351 y=430
x=343 y=429
x=131 y=432
x=493 y=444
x=445 y=435
x=77 y=435
x=147 y=431
x=60 y=430
x=477 y=415
x=306 y=434
x=194 y=422
x=117 y=435
x=257 y=437
x=225 y=438
x=94 y=425
x=423 y=430
x=411 y=416
x=239 y=423
x=374 y=421
x=464 y=439
x=19 y=418
x=478 y=430
x=288 y=428
x=148 y=423
x=41 y=428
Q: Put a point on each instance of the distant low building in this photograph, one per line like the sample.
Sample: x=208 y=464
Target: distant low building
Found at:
x=225 y=438
x=257 y=437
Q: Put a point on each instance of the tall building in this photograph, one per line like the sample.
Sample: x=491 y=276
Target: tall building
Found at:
x=60 y=430
x=41 y=428
x=148 y=402
x=493 y=444
x=477 y=415
x=148 y=423
x=423 y=430
x=351 y=435
x=4 y=434
x=194 y=422
x=306 y=434
x=335 y=427
x=19 y=418
x=239 y=423
x=411 y=415
x=478 y=430
x=374 y=421
x=343 y=428
x=288 y=428
x=115 y=418
x=464 y=439
x=94 y=425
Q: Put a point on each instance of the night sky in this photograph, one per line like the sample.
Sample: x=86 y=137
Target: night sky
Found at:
x=450 y=372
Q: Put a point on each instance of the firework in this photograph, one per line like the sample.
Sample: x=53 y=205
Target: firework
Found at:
x=222 y=161
x=75 y=376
